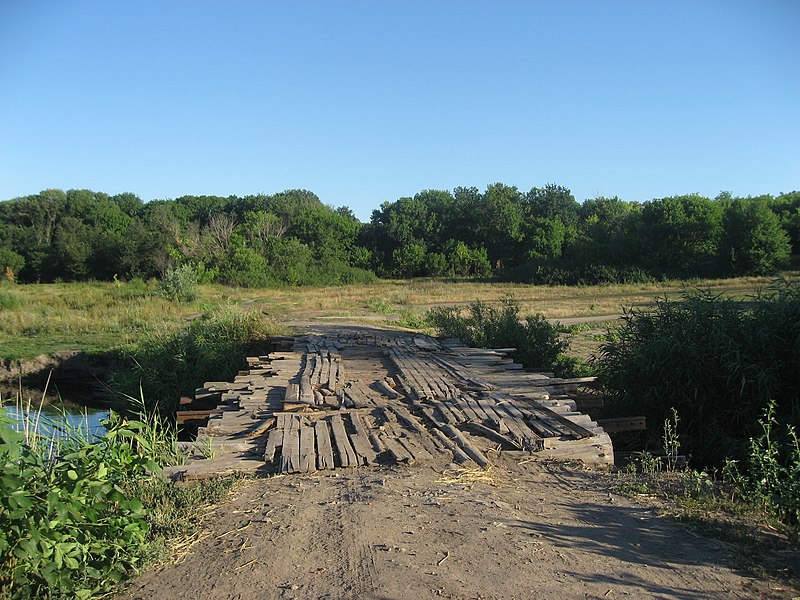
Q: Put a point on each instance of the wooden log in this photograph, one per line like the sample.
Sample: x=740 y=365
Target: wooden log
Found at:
x=324 y=448
x=347 y=456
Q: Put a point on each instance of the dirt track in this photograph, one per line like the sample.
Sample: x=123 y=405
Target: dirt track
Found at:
x=544 y=531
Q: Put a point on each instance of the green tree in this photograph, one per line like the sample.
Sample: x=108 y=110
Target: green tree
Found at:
x=753 y=242
x=409 y=258
x=681 y=233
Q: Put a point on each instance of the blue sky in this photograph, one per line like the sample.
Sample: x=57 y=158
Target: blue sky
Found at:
x=364 y=102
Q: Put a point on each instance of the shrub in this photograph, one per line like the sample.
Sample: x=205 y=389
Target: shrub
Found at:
x=11 y=264
x=773 y=475
x=537 y=342
x=66 y=525
x=717 y=361
x=179 y=284
x=561 y=272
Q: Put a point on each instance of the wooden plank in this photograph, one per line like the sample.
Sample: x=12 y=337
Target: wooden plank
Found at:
x=571 y=427
x=308 y=456
x=470 y=450
x=383 y=388
x=274 y=442
x=324 y=448
x=494 y=436
x=407 y=418
x=347 y=456
x=360 y=439
x=458 y=454
x=262 y=429
x=623 y=424
x=306 y=395
x=397 y=451
x=290 y=452
x=292 y=395
x=192 y=415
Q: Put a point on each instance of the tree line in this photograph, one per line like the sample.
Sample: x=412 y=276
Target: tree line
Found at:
x=291 y=238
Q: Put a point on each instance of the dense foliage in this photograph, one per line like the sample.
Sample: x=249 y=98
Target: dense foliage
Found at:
x=536 y=342
x=67 y=526
x=79 y=515
x=718 y=362
x=292 y=238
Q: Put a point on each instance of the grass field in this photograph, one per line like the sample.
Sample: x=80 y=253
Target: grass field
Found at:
x=94 y=317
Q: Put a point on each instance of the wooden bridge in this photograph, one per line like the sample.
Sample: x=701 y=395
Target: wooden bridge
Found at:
x=360 y=397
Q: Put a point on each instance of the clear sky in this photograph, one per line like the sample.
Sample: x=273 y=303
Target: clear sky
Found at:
x=364 y=102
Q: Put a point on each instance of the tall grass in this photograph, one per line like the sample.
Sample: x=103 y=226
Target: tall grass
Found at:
x=164 y=365
x=717 y=361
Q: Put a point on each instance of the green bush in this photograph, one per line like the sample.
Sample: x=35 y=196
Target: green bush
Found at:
x=67 y=527
x=179 y=284
x=562 y=272
x=717 y=361
x=165 y=365
x=537 y=342
x=773 y=474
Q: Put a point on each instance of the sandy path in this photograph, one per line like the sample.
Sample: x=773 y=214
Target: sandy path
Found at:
x=549 y=532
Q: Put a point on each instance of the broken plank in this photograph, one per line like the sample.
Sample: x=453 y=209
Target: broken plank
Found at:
x=470 y=450
x=274 y=442
x=360 y=439
x=347 y=456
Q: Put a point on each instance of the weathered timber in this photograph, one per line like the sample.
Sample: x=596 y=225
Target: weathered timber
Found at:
x=344 y=450
x=458 y=454
x=308 y=456
x=623 y=424
x=360 y=439
x=274 y=442
x=470 y=450
x=324 y=448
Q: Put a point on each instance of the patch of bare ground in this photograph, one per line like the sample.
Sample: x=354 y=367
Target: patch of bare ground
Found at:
x=521 y=530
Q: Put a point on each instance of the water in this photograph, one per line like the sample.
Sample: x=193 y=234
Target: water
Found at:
x=57 y=418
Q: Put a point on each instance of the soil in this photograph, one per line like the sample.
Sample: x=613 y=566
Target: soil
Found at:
x=522 y=530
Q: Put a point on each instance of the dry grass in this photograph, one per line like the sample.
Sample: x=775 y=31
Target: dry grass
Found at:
x=491 y=475
x=100 y=316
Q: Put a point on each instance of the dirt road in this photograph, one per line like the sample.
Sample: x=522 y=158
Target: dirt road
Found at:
x=535 y=530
